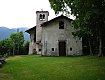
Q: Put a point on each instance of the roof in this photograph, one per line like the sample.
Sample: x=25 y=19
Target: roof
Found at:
x=42 y=12
x=46 y=23
x=28 y=31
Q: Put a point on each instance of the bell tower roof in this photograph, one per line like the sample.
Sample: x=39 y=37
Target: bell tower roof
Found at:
x=42 y=12
x=41 y=16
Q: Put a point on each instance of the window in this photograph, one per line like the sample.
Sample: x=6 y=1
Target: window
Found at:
x=52 y=49
x=42 y=17
x=61 y=25
x=39 y=49
x=70 y=49
x=34 y=37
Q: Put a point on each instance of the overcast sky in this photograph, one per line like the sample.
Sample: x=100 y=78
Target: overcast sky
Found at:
x=22 y=13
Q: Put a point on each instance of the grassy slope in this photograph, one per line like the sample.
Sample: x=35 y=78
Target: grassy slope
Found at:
x=53 y=68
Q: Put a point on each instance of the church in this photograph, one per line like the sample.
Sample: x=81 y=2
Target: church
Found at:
x=53 y=37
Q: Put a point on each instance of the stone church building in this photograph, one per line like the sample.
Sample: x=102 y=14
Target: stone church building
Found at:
x=53 y=37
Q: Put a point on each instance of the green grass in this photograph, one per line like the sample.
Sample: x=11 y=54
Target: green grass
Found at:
x=53 y=68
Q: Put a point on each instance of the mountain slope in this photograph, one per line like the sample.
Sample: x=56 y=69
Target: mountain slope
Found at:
x=6 y=32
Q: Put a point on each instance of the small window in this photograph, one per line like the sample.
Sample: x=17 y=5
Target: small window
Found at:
x=52 y=49
x=34 y=37
x=42 y=17
x=61 y=25
x=39 y=49
x=70 y=49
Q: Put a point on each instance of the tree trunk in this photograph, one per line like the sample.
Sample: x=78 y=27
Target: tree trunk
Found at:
x=13 y=50
x=100 y=45
x=90 y=48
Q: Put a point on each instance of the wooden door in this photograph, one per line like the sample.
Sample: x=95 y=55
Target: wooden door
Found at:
x=62 y=48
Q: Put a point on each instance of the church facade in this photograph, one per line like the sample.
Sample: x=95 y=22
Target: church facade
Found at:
x=53 y=37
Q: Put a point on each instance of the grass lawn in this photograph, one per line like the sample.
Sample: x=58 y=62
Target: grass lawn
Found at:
x=53 y=68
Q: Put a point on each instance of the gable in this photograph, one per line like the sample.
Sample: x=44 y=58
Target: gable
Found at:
x=54 y=20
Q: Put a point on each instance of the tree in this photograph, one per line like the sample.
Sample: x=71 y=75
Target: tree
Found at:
x=18 y=40
x=14 y=43
x=90 y=17
x=14 y=38
x=26 y=47
x=5 y=46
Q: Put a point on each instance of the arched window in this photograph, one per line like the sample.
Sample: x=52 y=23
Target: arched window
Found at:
x=42 y=17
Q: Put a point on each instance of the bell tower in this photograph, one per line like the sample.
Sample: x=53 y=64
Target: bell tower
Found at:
x=41 y=17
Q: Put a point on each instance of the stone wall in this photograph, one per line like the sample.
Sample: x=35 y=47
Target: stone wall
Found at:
x=51 y=35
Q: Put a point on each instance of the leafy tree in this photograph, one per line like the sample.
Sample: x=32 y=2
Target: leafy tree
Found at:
x=5 y=46
x=90 y=17
x=26 y=48
x=18 y=40
x=14 y=38
x=14 y=43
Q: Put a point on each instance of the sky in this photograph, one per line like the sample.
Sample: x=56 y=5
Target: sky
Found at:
x=22 y=13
